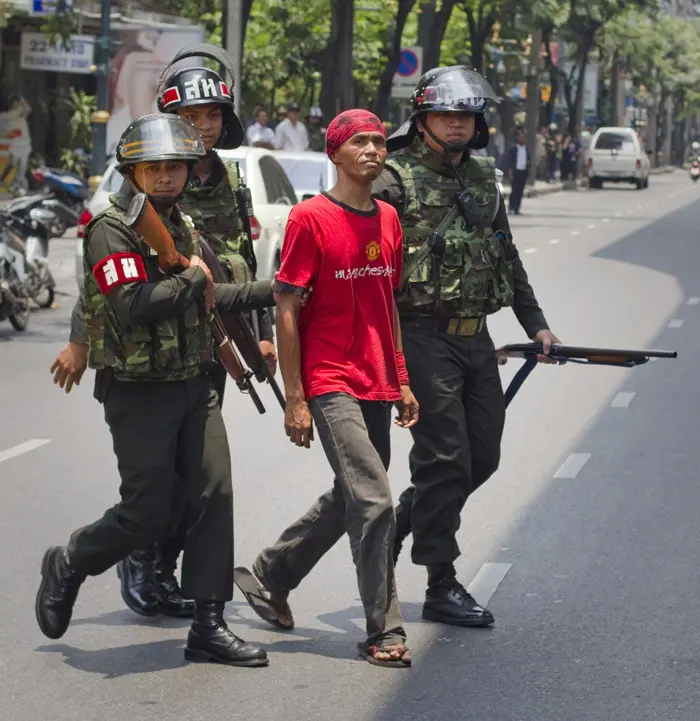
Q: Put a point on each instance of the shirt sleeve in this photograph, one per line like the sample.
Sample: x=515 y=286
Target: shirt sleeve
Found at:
x=301 y=256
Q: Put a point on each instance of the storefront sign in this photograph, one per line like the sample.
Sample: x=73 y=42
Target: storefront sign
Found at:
x=74 y=55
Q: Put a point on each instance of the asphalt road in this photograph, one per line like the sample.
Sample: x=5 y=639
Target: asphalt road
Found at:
x=582 y=544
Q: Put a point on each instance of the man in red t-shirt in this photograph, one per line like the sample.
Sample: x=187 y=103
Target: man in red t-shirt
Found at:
x=342 y=365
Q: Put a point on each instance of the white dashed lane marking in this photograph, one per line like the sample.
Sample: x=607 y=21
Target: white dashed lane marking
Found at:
x=676 y=323
x=606 y=220
x=622 y=400
x=554 y=241
x=489 y=578
x=590 y=226
x=23 y=448
x=572 y=465
x=574 y=232
x=531 y=250
x=693 y=301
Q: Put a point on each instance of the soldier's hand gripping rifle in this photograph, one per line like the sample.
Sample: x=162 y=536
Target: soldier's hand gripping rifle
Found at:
x=144 y=219
x=573 y=354
x=239 y=330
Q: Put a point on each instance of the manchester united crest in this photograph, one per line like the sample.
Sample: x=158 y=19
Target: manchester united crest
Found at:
x=373 y=250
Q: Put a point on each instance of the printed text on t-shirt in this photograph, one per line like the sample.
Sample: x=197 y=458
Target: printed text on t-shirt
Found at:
x=382 y=271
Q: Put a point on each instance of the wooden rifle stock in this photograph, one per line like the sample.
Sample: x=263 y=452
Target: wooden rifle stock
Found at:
x=143 y=218
x=240 y=331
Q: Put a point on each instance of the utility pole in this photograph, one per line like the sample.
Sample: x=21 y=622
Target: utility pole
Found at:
x=100 y=117
x=234 y=46
x=532 y=107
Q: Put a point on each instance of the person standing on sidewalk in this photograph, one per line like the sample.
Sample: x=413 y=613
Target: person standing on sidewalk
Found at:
x=443 y=304
x=343 y=366
x=518 y=170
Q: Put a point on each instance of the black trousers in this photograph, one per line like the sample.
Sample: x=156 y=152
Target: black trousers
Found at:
x=172 y=450
x=456 y=442
x=517 y=189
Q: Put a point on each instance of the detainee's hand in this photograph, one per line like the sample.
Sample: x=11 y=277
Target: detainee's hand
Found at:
x=297 y=422
x=407 y=408
x=547 y=338
x=267 y=349
x=69 y=366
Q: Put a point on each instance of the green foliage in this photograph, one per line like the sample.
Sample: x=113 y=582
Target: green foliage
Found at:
x=79 y=135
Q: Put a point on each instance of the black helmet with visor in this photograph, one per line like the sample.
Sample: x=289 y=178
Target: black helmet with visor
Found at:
x=452 y=89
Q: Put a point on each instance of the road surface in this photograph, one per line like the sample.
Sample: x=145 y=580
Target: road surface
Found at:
x=582 y=544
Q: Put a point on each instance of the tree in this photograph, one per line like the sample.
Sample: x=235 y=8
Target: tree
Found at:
x=432 y=24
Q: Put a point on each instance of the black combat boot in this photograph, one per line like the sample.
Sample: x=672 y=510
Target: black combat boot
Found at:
x=447 y=601
x=57 y=592
x=136 y=575
x=210 y=639
x=167 y=591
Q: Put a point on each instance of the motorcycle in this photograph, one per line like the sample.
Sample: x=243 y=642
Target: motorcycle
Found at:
x=695 y=170
x=31 y=238
x=14 y=294
x=64 y=194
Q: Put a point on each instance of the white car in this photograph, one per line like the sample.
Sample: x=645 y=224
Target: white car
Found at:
x=272 y=193
x=308 y=171
x=617 y=155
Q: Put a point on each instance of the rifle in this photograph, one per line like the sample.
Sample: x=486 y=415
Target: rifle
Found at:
x=573 y=354
x=143 y=218
x=240 y=331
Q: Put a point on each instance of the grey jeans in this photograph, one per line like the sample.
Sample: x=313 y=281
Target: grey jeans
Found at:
x=355 y=436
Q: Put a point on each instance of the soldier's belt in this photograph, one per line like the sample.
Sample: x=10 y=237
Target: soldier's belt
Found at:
x=463 y=327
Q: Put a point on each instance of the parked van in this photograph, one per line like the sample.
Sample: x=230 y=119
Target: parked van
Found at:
x=617 y=155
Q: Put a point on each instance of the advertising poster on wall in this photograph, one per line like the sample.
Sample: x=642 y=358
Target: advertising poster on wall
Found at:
x=143 y=53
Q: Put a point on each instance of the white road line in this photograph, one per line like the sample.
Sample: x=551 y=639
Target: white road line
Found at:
x=606 y=220
x=622 y=400
x=693 y=301
x=489 y=578
x=23 y=448
x=618 y=215
x=554 y=241
x=574 y=232
x=531 y=250
x=572 y=465
x=675 y=323
x=591 y=226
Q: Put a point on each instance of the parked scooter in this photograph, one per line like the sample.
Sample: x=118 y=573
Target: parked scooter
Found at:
x=695 y=169
x=64 y=194
x=14 y=294
x=31 y=238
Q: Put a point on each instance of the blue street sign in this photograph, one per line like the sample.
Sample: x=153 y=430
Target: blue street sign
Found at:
x=49 y=7
x=408 y=63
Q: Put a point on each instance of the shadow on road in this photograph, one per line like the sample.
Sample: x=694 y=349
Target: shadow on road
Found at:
x=593 y=621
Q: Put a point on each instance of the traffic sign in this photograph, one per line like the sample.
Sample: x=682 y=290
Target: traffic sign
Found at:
x=48 y=7
x=408 y=72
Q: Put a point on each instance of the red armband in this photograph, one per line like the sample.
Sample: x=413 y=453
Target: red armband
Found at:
x=401 y=367
x=119 y=269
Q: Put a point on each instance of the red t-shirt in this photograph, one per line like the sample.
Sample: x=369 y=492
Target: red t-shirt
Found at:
x=352 y=261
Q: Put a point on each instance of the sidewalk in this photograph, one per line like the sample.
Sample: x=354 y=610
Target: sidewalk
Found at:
x=543 y=188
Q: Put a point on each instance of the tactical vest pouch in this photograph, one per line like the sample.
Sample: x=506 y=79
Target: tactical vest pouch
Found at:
x=236 y=266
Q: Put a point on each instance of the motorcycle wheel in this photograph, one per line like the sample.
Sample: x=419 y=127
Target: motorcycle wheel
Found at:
x=20 y=320
x=58 y=228
x=45 y=297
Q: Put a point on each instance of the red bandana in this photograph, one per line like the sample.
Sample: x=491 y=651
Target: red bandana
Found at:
x=349 y=123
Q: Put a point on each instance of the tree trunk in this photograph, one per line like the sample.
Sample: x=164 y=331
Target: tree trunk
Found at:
x=432 y=24
x=381 y=104
x=553 y=76
x=247 y=6
x=576 y=111
x=336 y=82
x=479 y=30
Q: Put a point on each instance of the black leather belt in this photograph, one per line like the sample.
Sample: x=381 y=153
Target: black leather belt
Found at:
x=463 y=327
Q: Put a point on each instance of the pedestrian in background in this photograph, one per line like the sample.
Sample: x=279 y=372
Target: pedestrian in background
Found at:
x=518 y=169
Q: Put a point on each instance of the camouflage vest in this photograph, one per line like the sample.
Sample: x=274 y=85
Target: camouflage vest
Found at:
x=475 y=276
x=215 y=213
x=170 y=349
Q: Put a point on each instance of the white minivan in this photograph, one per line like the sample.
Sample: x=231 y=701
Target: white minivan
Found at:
x=617 y=155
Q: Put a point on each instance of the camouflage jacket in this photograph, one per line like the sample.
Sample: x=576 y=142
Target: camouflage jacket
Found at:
x=317 y=138
x=480 y=271
x=215 y=212
x=152 y=330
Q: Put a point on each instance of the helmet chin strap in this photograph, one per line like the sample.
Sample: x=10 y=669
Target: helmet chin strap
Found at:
x=160 y=205
x=447 y=148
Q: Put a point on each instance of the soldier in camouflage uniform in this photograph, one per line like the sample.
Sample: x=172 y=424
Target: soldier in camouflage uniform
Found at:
x=315 y=129
x=212 y=199
x=460 y=265
x=149 y=341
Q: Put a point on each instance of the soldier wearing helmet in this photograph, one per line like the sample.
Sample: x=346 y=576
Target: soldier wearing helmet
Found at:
x=149 y=340
x=218 y=204
x=460 y=266
x=316 y=131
